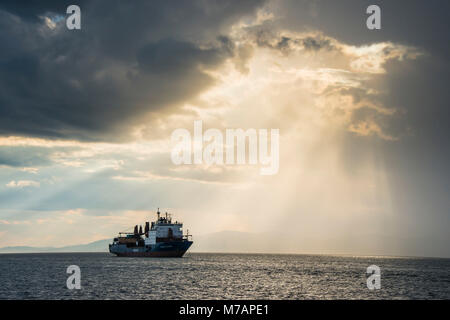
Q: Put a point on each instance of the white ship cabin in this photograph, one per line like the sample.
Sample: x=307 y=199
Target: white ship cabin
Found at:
x=164 y=229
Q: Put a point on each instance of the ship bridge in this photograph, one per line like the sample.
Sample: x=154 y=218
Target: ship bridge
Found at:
x=163 y=229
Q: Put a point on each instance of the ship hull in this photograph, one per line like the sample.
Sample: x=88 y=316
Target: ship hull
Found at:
x=162 y=249
x=156 y=254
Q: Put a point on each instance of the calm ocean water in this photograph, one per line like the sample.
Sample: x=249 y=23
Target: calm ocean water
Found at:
x=221 y=276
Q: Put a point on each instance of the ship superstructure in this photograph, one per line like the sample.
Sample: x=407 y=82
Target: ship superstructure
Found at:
x=161 y=238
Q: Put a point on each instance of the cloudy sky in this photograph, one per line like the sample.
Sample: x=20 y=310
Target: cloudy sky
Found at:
x=86 y=118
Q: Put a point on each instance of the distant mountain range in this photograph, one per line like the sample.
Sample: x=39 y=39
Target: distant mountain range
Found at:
x=96 y=246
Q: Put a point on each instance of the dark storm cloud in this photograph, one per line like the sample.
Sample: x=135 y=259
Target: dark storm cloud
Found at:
x=311 y=43
x=265 y=35
x=34 y=8
x=308 y=43
x=171 y=56
x=129 y=59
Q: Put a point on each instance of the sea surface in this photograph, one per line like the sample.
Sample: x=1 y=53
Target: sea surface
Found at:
x=221 y=276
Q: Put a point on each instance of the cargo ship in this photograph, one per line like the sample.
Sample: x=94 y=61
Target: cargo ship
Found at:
x=163 y=238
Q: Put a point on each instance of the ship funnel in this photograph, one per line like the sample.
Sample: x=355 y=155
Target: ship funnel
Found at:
x=140 y=229
x=135 y=229
x=147 y=229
